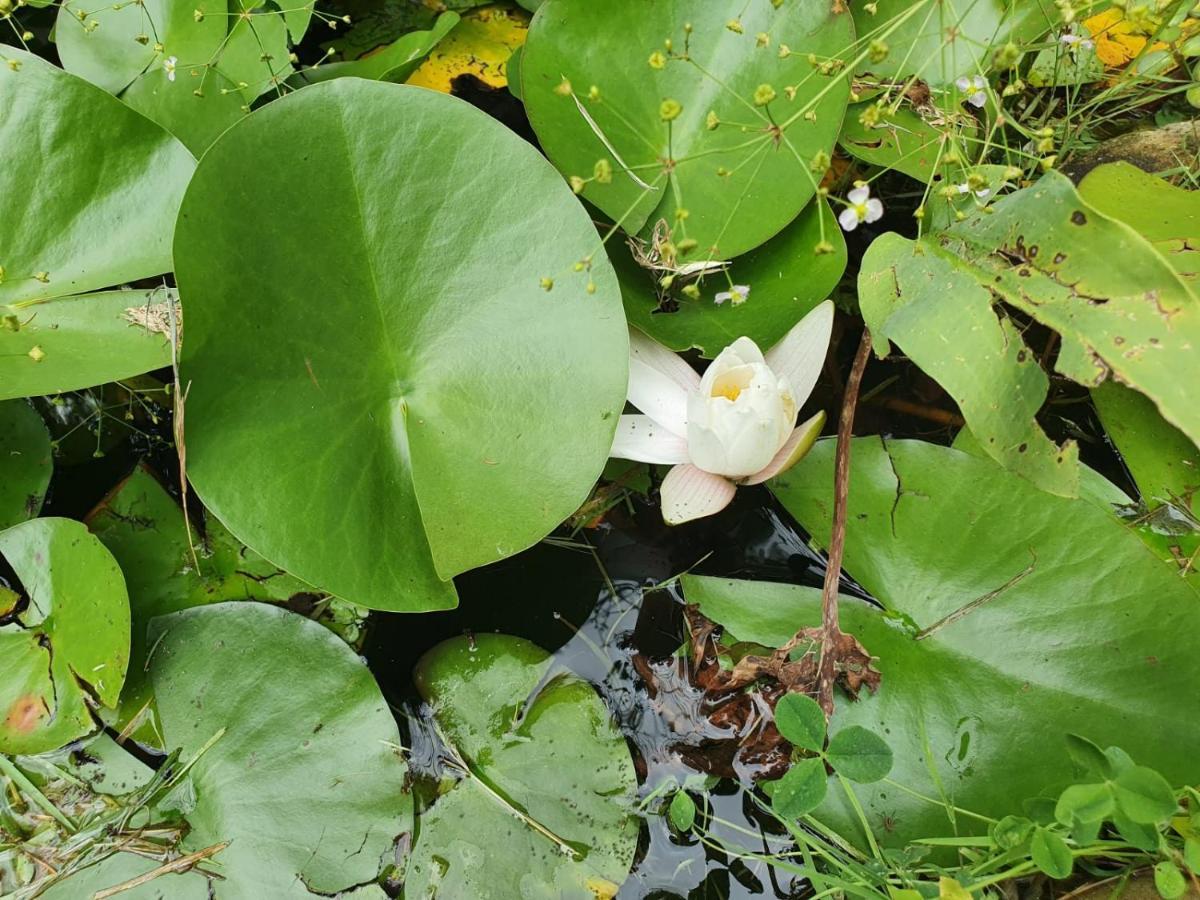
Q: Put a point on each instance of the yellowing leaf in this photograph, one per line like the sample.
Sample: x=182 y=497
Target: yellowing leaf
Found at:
x=950 y=889
x=1116 y=42
x=481 y=46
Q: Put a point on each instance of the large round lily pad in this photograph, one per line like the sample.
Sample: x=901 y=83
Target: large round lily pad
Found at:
x=740 y=182
x=306 y=777
x=90 y=188
x=1013 y=617
x=544 y=804
x=68 y=644
x=26 y=462
x=382 y=395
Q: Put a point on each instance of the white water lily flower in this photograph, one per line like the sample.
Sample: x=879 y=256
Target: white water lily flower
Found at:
x=169 y=67
x=738 y=294
x=975 y=88
x=735 y=425
x=862 y=208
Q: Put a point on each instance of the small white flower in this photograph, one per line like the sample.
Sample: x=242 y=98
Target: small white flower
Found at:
x=862 y=207
x=169 y=67
x=975 y=88
x=738 y=294
x=1075 y=41
x=735 y=425
x=982 y=194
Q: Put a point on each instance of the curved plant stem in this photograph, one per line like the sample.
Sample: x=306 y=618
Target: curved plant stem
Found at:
x=831 y=631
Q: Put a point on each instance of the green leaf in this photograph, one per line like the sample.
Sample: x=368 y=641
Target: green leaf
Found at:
x=1169 y=881
x=1116 y=304
x=801 y=789
x=860 y=754
x=306 y=779
x=143 y=527
x=84 y=340
x=575 y=45
x=395 y=62
x=969 y=553
x=70 y=646
x=26 y=462
x=1164 y=463
x=545 y=804
x=801 y=721
x=1191 y=854
x=1166 y=215
x=904 y=141
x=787 y=280
x=1088 y=756
x=114 y=44
x=1144 y=796
x=682 y=811
x=1011 y=832
x=1051 y=854
x=1084 y=803
x=1144 y=837
x=97 y=211
x=939 y=42
x=433 y=417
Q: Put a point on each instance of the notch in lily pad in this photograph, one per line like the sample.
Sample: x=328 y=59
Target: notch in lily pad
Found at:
x=854 y=753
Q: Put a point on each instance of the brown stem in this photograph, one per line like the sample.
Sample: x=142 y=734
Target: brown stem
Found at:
x=930 y=413
x=830 y=629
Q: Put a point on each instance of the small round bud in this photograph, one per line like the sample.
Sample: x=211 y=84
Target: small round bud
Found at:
x=763 y=94
x=669 y=110
x=657 y=60
x=547 y=284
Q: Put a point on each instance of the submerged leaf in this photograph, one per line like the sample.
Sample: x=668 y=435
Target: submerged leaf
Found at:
x=544 y=804
x=26 y=463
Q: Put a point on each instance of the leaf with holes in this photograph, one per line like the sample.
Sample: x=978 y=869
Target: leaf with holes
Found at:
x=1118 y=307
x=595 y=80
x=67 y=648
x=1012 y=618
x=419 y=394
x=544 y=804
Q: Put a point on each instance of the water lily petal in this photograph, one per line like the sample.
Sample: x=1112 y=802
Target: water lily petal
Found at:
x=660 y=382
x=848 y=219
x=800 y=355
x=793 y=451
x=642 y=439
x=689 y=493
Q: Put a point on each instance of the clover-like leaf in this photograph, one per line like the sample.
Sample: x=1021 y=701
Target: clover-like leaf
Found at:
x=860 y=754
x=801 y=721
x=801 y=789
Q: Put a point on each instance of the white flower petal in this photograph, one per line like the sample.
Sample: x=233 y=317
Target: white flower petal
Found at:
x=848 y=219
x=642 y=439
x=793 y=451
x=963 y=84
x=689 y=493
x=978 y=82
x=859 y=195
x=654 y=354
x=722 y=297
x=874 y=210
x=659 y=382
x=977 y=99
x=800 y=355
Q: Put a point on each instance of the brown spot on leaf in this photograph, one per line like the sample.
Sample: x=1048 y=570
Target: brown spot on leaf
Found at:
x=25 y=714
x=1078 y=218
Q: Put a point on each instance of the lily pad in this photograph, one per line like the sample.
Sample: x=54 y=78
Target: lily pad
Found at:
x=938 y=42
x=904 y=141
x=544 y=804
x=306 y=777
x=786 y=276
x=69 y=647
x=99 y=210
x=596 y=77
x=418 y=405
x=395 y=62
x=111 y=44
x=67 y=343
x=26 y=463
x=144 y=529
x=1011 y=618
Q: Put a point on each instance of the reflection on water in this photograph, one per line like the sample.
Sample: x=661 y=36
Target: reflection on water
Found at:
x=585 y=599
